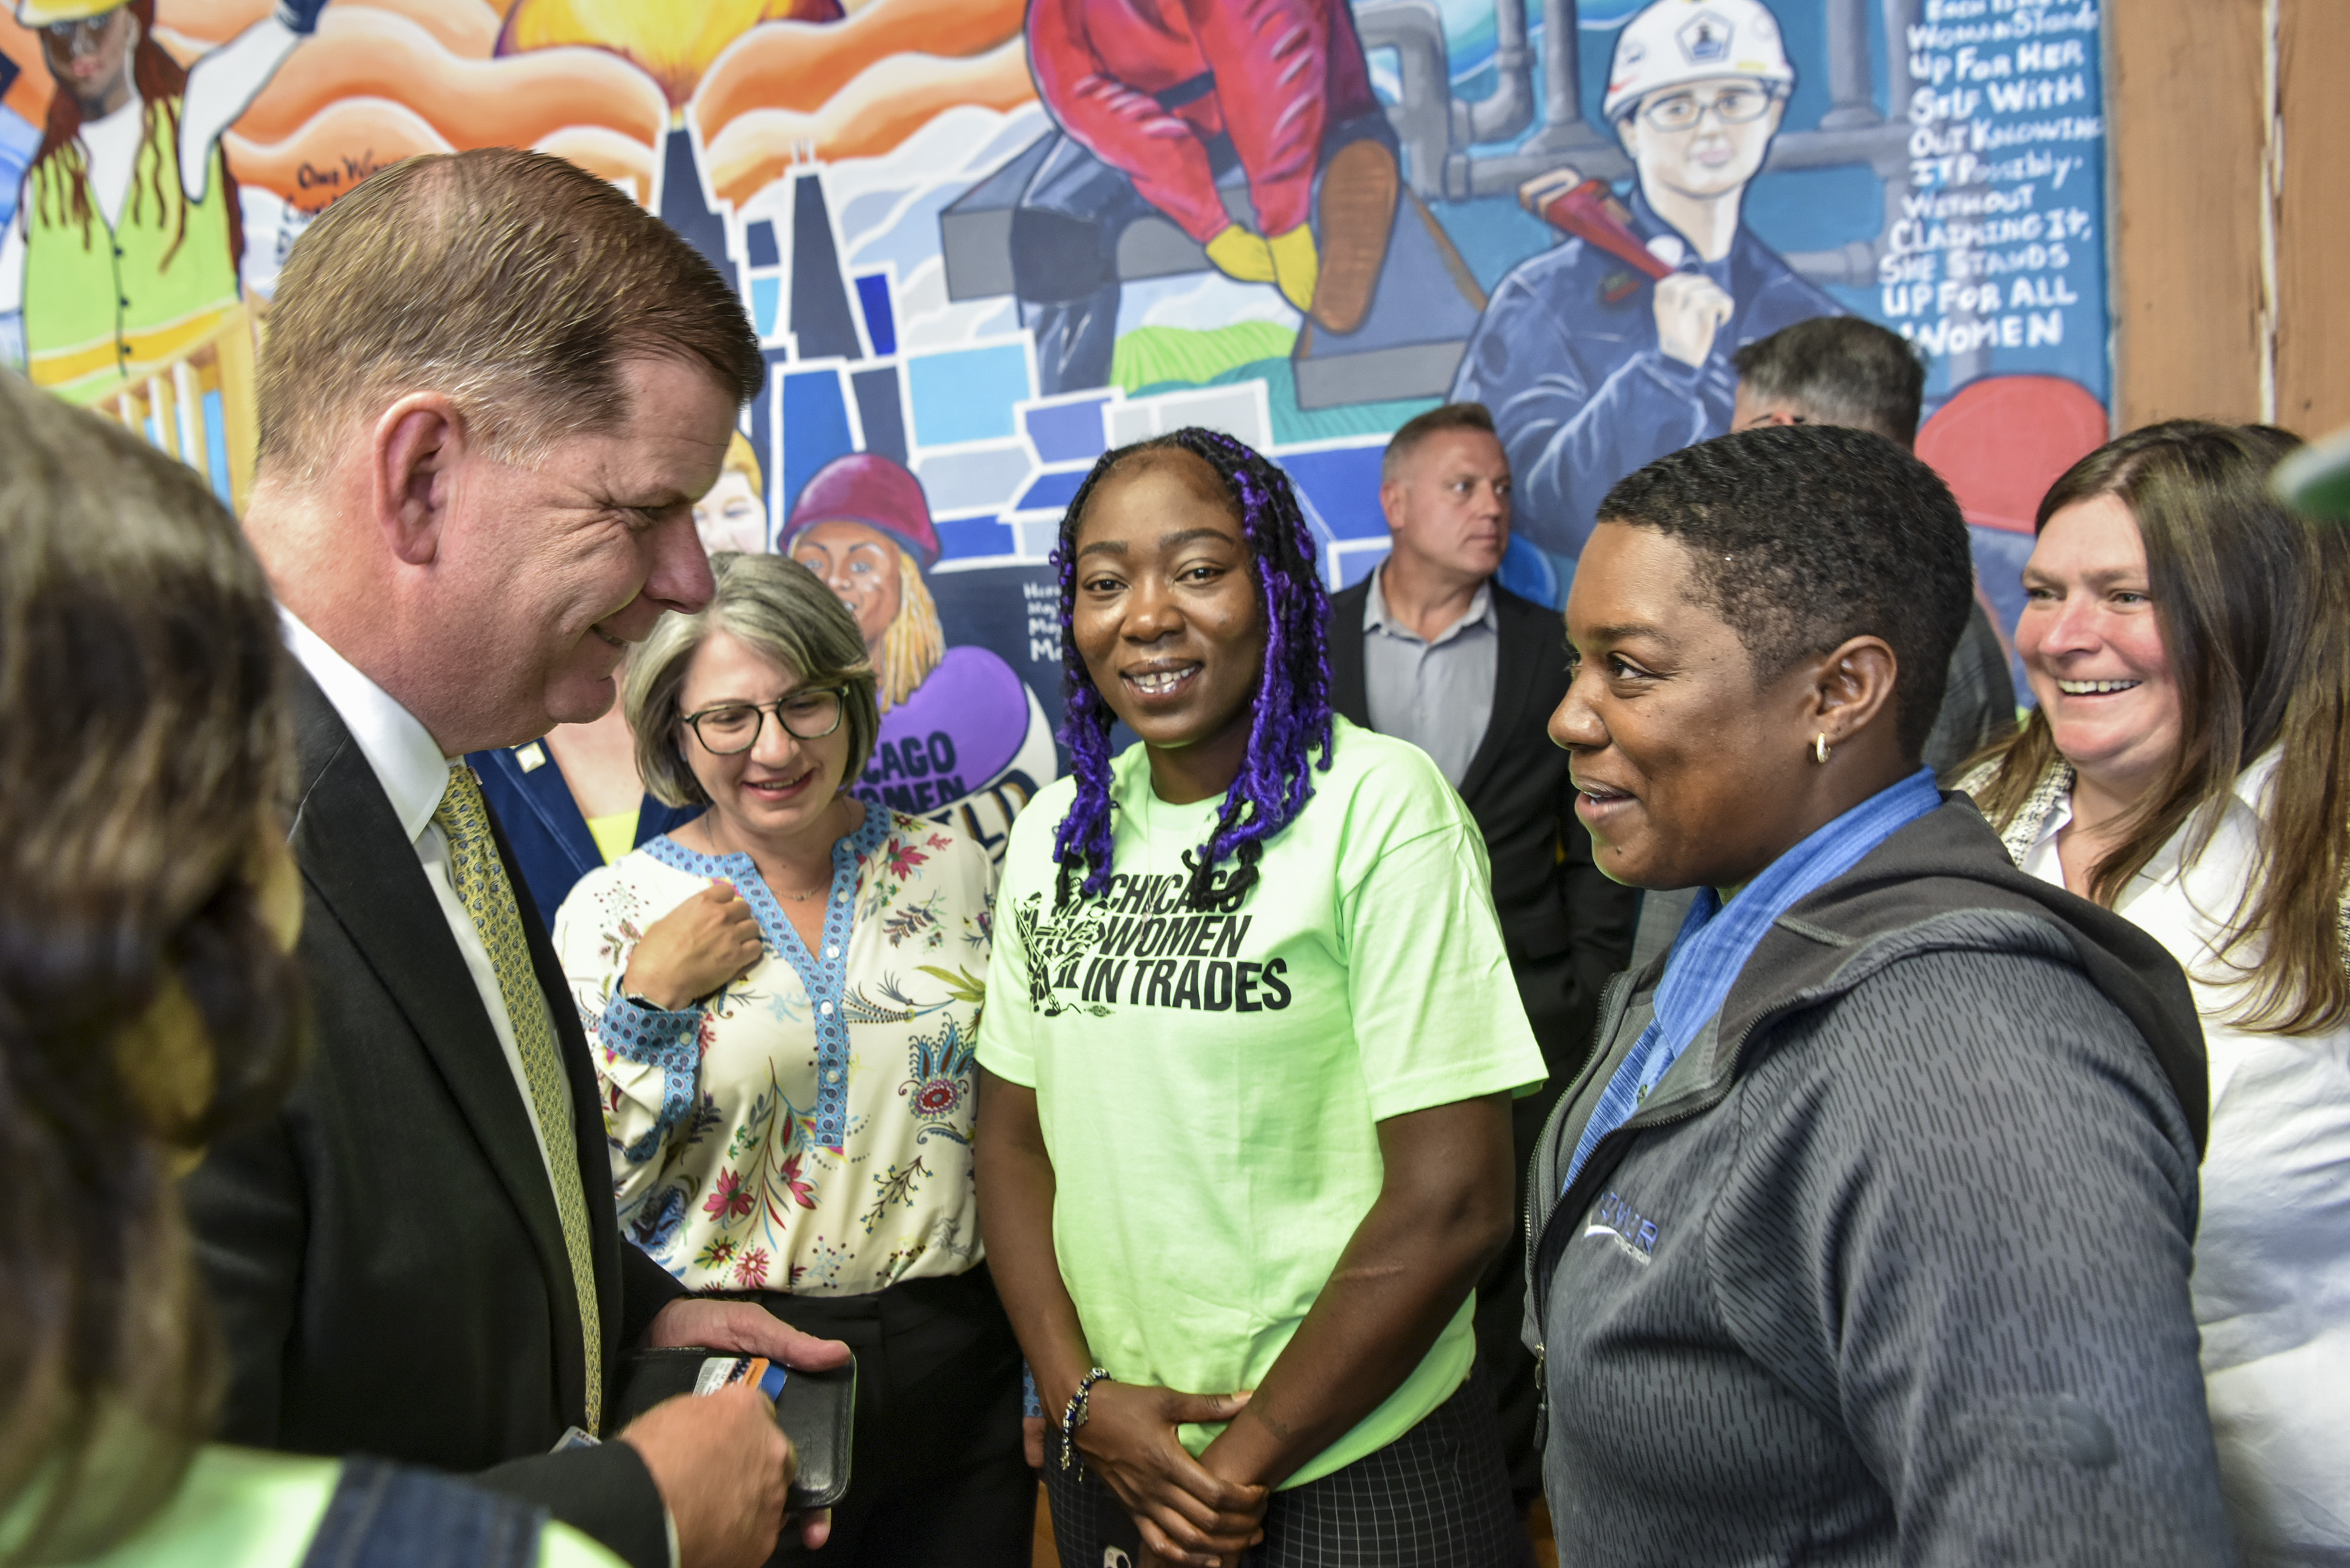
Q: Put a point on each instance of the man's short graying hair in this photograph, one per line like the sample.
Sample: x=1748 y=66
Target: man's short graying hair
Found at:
x=1434 y=422
x=1839 y=370
x=513 y=283
x=772 y=604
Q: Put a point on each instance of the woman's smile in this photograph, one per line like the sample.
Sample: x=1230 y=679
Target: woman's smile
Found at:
x=1159 y=680
x=1598 y=805
x=783 y=789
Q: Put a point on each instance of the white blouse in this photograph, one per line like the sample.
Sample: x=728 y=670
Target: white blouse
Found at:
x=2272 y=1254
x=808 y=1128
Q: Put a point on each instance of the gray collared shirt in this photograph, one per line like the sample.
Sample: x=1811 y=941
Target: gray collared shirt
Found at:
x=1438 y=695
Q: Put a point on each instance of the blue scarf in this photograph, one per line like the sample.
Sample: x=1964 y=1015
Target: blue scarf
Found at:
x=1716 y=940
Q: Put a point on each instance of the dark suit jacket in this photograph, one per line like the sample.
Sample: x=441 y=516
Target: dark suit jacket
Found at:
x=546 y=835
x=1566 y=926
x=384 y=1255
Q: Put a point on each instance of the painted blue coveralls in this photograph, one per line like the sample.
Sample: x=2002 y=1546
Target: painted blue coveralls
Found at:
x=1566 y=356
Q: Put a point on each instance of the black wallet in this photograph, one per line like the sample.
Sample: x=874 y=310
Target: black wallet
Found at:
x=817 y=1411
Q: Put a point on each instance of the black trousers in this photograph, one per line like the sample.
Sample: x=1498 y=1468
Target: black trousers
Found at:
x=1434 y=1498
x=937 y=1476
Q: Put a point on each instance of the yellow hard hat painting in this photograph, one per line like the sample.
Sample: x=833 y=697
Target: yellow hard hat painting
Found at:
x=48 y=13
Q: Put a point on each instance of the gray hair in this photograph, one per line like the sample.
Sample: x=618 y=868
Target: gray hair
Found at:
x=772 y=604
x=1435 y=421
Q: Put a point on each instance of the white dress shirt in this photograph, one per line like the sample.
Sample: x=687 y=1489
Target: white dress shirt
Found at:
x=414 y=774
x=2272 y=1282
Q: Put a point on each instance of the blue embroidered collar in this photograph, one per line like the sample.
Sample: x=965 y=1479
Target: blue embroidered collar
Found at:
x=824 y=974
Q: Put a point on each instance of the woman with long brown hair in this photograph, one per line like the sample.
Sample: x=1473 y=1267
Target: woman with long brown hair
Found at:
x=2188 y=640
x=149 y=1004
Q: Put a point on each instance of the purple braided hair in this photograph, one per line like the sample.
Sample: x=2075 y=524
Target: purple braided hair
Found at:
x=1293 y=693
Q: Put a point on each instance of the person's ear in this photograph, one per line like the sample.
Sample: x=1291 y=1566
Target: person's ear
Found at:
x=1391 y=504
x=417 y=444
x=1853 y=685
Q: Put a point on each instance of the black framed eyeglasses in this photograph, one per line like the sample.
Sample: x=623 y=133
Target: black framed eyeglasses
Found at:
x=1739 y=105
x=808 y=714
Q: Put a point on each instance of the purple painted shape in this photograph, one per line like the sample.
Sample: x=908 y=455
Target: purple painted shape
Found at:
x=960 y=728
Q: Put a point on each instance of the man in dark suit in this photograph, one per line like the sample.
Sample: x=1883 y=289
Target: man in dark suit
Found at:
x=1430 y=647
x=491 y=389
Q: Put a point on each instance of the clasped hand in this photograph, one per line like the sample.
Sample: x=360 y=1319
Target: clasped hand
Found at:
x=694 y=949
x=1186 y=1512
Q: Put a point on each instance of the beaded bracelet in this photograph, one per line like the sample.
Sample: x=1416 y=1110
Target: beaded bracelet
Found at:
x=1073 y=1414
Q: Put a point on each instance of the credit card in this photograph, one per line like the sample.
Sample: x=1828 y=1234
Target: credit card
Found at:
x=725 y=1371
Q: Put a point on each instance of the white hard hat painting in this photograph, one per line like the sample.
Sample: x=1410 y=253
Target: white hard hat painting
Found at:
x=1676 y=42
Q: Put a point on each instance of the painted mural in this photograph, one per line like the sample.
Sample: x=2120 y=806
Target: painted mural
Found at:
x=982 y=240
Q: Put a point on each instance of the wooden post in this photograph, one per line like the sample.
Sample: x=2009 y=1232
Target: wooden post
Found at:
x=2312 y=228
x=2183 y=102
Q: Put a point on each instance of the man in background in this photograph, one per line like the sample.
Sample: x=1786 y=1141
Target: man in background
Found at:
x=1842 y=371
x=493 y=388
x=1431 y=648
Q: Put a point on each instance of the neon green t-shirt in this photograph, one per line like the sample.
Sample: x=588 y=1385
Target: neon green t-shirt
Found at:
x=1210 y=1085
x=241 y=1508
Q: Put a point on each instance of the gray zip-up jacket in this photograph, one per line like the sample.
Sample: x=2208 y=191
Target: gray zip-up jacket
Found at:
x=1891 y=1266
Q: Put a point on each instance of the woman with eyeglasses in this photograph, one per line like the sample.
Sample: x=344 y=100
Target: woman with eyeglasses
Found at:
x=784 y=995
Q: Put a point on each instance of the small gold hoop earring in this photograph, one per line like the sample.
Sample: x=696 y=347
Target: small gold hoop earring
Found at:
x=1820 y=748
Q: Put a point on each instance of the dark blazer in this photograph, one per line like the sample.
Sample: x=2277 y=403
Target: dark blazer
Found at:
x=546 y=835
x=384 y=1255
x=1567 y=927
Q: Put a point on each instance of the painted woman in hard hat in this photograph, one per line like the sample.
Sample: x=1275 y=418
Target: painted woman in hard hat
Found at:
x=963 y=738
x=732 y=513
x=1592 y=369
x=124 y=250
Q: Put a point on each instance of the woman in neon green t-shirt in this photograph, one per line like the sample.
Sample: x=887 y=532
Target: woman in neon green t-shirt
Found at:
x=149 y=1001
x=1249 y=1042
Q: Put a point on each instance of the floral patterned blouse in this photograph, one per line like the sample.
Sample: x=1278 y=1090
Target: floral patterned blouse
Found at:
x=808 y=1128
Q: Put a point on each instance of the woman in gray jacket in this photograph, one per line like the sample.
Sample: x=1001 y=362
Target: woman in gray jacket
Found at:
x=1866 y=1237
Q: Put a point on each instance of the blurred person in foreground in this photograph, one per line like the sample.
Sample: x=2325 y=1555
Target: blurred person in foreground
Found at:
x=149 y=1002
x=784 y=995
x=1865 y=1236
x=493 y=388
x=2189 y=767
x=1244 y=1141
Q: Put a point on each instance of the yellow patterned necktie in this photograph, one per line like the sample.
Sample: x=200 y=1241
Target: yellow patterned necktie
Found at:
x=482 y=887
